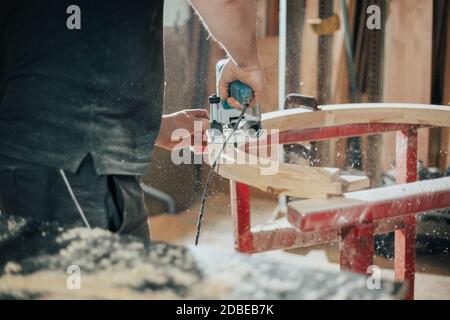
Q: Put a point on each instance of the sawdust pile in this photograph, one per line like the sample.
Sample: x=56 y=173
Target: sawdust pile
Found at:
x=35 y=257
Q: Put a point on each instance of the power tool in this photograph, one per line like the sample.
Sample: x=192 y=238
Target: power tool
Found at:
x=231 y=126
x=224 y=117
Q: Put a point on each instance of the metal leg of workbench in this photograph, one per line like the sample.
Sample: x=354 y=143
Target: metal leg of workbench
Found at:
x=240 y=211
x=405 y=235
x=356 y=248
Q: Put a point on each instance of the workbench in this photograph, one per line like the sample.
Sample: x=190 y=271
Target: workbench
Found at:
x=338 y=208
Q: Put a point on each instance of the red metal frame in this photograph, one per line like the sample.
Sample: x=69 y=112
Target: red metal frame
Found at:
x=405 y=237
x=240 y=210
x=356 y=235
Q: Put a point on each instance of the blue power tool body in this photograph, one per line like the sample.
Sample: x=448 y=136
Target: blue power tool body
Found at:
x=223 y=116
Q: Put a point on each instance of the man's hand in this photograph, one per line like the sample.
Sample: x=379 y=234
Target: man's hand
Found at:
x=181 y=120
x=232 y=23
x=250 y=75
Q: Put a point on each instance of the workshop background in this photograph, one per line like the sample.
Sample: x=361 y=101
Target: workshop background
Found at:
x=407 y=60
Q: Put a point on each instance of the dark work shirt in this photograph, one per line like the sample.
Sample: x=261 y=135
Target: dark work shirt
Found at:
x=65 y=94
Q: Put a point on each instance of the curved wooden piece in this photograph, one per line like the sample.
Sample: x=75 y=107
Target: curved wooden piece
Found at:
x=343 y=114
x=313 y=182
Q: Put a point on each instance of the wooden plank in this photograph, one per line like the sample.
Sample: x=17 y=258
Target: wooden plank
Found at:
x=335 y=115
x=445 y=132
x=408 y=63
x=339 y=75
x=262 y=18
x=354 y=183
x=408 y=51
x=309 y=57
x=290 y=179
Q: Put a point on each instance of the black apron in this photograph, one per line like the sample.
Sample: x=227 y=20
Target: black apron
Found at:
x=66 y=93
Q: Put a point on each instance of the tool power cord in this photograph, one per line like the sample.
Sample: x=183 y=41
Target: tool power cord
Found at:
x=201 y=214
x=74 y=198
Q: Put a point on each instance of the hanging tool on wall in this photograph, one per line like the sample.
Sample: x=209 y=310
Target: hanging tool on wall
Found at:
x=295 y=100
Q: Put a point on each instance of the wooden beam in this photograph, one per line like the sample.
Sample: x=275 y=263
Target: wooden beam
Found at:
x=290 y=179
x=445 y=132
x=308 y=72
x=335 y=115
x=408 y=63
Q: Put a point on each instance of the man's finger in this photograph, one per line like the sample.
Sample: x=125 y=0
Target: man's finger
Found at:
x=205 y=125
x=198 y=113
x=234 y=103
x=223 y=92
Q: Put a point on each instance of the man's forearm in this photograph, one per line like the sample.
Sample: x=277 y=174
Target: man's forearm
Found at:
x=233 y=24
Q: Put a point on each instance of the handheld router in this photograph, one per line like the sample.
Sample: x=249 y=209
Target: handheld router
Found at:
x=225 y=118
x=229 y=126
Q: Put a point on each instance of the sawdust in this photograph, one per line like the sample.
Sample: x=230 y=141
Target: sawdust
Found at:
x=258 y=277
x=114 y=267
